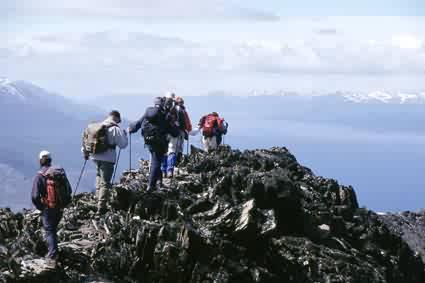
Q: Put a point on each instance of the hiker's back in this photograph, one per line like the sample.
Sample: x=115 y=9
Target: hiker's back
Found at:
x=209 y=125
x=154 y=127
x=58 y=190
x=95 y=138
x=101 y=139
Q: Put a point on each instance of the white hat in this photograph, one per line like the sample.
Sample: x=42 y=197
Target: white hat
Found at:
x=44 y=153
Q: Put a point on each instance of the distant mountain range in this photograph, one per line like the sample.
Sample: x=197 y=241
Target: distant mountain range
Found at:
x=373 y=141
x=35 y=120
x=376 y=111
x=374 y=97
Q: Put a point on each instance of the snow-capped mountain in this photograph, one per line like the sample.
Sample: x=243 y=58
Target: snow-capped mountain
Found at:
x=37 y=120
x=386 y=97
x=373 y=97
x=7 y=88
x=18 y=94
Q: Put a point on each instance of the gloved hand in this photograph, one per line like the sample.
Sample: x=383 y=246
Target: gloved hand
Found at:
x=86 y=155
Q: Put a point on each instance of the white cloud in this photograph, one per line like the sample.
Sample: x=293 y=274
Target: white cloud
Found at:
x=140 y=9
x=407 y=41
x=119 y=57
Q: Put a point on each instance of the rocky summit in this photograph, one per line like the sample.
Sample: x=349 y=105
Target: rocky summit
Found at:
x=227 y=216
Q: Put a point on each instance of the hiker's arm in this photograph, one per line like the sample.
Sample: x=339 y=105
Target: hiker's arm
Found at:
x=37 y=188
x=135 y=126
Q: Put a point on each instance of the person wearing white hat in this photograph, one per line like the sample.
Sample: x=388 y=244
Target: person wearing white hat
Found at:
x=51 y=192
x=45 y=154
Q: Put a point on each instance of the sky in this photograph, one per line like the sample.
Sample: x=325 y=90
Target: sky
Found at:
x=84 y=48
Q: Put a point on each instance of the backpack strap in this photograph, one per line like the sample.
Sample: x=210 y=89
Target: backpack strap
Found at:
x=43 y=172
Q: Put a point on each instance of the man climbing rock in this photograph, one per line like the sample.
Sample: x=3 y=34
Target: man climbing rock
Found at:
x=99 y=144
x=51 y=192
x=154 y=127
x=213 y=128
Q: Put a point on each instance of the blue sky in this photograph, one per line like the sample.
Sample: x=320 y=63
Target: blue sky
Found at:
x=100 y=47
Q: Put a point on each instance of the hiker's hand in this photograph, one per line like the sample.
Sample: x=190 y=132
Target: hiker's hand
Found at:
x=86 y=156
x=128 y=130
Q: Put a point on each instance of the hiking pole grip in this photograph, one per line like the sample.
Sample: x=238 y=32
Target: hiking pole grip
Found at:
x=129 y=169
x=79 y=179
x=116 y=166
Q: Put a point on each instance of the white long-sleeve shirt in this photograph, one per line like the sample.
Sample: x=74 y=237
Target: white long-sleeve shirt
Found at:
x=115 y=136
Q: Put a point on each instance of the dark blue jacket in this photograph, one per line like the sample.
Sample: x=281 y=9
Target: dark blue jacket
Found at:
x=157 y=117
x=39 y=189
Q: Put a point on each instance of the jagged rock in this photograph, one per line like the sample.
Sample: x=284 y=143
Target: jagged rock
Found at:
x=227 y=216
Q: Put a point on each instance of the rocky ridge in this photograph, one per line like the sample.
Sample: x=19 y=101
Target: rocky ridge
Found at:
x=229 y=216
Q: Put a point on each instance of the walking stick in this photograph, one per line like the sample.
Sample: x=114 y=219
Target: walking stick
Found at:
x=79 y=179
x=187 y=150
x=130 y=155
x=116 y=166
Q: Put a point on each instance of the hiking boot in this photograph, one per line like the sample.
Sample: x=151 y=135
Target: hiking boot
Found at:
x=51 y=263
x=165 y=184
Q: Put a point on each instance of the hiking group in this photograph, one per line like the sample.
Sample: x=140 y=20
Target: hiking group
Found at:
x=164 y=127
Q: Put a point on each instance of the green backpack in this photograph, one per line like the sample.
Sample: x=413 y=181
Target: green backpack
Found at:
x=95 y=138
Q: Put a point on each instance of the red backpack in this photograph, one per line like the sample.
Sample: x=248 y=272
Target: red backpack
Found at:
x=58 y=194
x=187 y=122
x=208 y=127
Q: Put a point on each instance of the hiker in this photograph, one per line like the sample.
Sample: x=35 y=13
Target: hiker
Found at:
x=99 y=144
x=213 y=128
x=154 y=127
x=169 y=101
x=185 y=126
x=51 y=192
x=178 y=119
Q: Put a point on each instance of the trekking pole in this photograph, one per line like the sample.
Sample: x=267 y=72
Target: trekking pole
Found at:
x=116 y=166
x=79 y=179
x=187 y=145
x=129 y=169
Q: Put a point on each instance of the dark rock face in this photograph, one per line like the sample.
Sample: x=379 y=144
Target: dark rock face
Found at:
x=229 y=216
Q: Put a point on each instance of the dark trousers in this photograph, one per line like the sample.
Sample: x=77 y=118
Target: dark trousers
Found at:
x=155 y=173
x=219 y=139
x=50 y=218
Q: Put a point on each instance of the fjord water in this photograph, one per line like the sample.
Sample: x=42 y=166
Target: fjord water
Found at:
x=386 y=169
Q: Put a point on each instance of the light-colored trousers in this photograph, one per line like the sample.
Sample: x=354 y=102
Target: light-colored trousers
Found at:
x=210 y=143
x=104 y=172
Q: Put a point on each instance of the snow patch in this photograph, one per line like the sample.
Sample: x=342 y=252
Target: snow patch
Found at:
x=381 y=96
x=406 y=97
x=7 y=88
